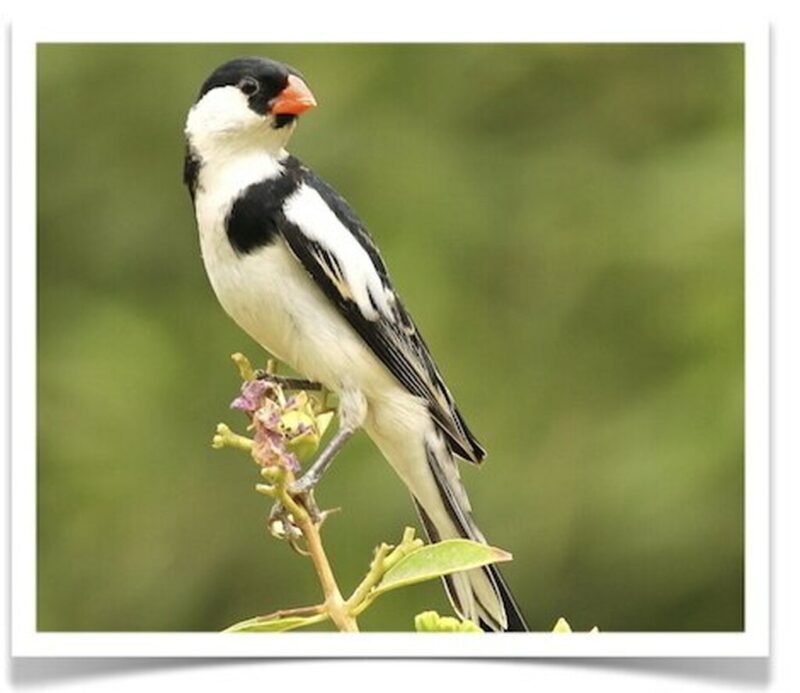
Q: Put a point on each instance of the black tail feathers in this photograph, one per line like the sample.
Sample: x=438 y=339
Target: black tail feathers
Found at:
x=515 y=621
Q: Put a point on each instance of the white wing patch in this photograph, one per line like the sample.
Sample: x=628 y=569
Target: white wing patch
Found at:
x=360 y=281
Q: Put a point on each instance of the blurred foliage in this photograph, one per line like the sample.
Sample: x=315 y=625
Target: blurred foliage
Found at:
x=565 y=222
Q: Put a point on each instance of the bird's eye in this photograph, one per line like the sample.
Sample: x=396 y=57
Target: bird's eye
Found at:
x=249 y=86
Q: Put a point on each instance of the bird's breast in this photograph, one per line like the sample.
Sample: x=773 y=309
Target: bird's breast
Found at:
x=270 y=296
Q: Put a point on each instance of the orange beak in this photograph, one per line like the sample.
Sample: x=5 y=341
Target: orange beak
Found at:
x=296 y=98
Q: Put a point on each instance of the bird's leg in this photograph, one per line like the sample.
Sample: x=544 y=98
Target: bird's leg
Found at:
x=352 y=412
x=303 y=489
x=310 y=479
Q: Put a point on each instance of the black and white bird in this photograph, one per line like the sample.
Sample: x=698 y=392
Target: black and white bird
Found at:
x=293 y=265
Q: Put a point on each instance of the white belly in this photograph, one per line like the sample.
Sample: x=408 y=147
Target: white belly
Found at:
x=271 y=297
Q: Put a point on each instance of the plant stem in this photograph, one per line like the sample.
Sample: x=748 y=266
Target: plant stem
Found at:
x=297 y=611
x=372 y=578
x=335 y=605
x=385 y=557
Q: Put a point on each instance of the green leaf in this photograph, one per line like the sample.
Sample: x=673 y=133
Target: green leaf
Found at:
x=434 y=560
x=271 y=624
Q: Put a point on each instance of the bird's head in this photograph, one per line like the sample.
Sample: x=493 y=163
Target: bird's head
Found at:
x=248 y=102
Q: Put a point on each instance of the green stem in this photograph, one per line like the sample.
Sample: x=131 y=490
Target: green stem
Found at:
x=385 y=557
x=316 y=610
x=226 y=438
x=334 y=604
x=372 y=578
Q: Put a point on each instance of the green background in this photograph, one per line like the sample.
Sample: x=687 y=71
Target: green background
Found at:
x=565 y=222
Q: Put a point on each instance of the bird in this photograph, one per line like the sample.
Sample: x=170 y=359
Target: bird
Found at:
x=294 y=266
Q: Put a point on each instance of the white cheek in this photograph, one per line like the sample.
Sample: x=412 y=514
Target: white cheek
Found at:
x=224 y=109
x=222 y=126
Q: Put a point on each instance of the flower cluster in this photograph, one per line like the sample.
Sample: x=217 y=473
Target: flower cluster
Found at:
x=285 y=429
x=431 y=622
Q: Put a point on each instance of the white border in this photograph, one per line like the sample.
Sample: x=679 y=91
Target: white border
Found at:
x=754 y=641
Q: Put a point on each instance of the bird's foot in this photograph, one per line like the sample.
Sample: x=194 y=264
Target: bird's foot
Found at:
x=283 y=525
x=285 y=381
x=304 y=487
x=280 y=514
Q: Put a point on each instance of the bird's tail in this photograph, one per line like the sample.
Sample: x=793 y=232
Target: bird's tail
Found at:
x=481 y=594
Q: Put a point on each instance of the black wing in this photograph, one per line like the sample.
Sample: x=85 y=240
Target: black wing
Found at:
x=365 y=298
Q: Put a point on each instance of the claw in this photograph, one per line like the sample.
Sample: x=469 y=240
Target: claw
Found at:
x=302 y=487
x=281 y=524
x=286 y=381
x=306 y=497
